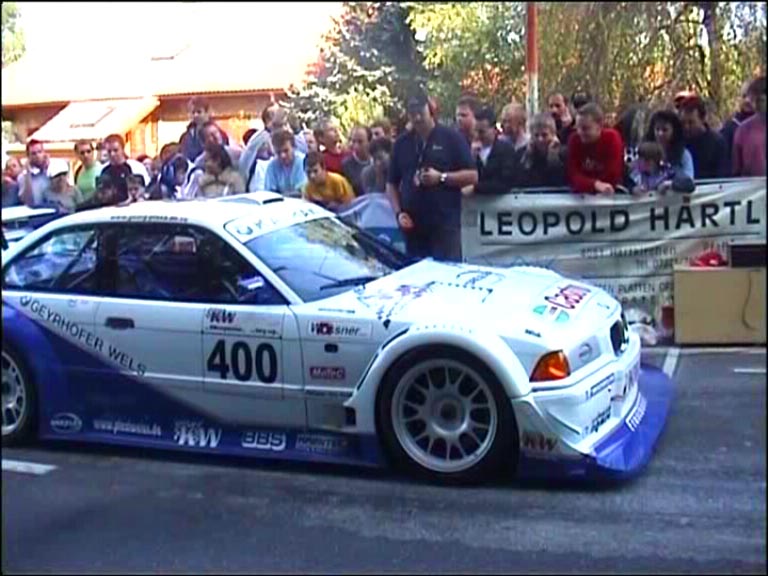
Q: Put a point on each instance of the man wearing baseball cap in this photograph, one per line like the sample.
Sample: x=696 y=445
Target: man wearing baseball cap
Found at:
x=61 y=194
x=430 y=165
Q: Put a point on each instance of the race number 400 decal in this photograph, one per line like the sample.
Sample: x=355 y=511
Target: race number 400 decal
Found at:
x=244 y=362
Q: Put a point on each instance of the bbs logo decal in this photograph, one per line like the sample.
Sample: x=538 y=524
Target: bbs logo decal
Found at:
x=340 y=329
x=66 y=423
x=196 y=435
x=274 y=441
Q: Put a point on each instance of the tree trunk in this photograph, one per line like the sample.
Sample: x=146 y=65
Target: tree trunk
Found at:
x=715 y=68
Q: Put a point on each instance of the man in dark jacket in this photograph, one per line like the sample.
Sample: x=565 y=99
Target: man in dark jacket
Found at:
x=192 y=141
x=708 y=149
x=496 y=160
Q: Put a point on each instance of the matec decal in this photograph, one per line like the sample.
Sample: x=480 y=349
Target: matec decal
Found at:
x=340 y=329
x=274 y=441
x=327 y=373
x=568 y=297
x=319 y=444
x=196 y=435
x=66 y=423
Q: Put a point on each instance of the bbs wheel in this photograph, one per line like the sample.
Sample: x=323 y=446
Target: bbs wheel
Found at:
x=18 y=400
x=444 y=416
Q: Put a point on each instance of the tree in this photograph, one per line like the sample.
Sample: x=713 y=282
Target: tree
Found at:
x=13 y=35
x=368 y=65
x=473 y=47
x=622 y=52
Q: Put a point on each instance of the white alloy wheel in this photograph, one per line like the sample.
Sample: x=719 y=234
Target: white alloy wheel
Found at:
x=444 y=415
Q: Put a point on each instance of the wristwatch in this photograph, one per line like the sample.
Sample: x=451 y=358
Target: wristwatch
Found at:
x=443 y=178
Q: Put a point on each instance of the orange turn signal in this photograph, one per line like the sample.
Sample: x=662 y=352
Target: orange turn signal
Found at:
x=551 y=366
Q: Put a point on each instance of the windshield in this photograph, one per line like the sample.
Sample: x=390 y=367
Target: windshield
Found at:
x=324 y=257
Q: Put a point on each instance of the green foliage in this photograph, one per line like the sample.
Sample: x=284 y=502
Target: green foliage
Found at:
x=473 y=47
x=370 y=64
x=621 y=52
x=12 y=34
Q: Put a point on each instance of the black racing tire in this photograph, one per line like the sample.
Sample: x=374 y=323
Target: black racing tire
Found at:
x=16 y=373
x=497 y=454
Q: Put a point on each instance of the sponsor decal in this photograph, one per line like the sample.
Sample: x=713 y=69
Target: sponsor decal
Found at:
x=471 y=278
x=598 y=421
x=322 y=444
x=533 y=333
x=630 y=379
x=335 y=329
x=196 y=435
x=636 y=416
x=537 y=442
x=82 y=335
x=259 y=440
x=220 y=316
x=66 y=423
x=122 y=218
x=327 y=393
x=569 y=297
x=600 y=386
x=387 y=303
x=327 y=373
x=127 y=427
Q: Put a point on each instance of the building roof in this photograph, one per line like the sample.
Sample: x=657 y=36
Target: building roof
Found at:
x=91 y=120
x=220 y=48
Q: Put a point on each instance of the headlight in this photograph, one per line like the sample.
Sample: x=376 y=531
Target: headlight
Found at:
x=551 y=366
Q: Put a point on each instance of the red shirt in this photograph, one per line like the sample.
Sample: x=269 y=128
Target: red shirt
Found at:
x=602 y=160
x=333 y=161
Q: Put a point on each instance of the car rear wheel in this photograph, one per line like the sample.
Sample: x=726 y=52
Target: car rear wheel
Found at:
x=443 y=416
x=18 y=400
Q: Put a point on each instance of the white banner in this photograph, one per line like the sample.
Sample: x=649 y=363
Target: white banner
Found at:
x=626 y=245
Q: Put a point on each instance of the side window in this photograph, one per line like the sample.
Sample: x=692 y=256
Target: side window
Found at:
x=180 y=263
x=153 y=261
x=63 y=262
x=231 y=279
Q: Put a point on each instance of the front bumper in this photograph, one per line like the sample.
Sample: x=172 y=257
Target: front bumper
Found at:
x=624 y=451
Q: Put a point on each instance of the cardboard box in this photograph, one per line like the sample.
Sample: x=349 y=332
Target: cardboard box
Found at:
x=719 y=305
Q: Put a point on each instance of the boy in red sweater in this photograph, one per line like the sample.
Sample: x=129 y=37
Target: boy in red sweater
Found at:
x=595 y=154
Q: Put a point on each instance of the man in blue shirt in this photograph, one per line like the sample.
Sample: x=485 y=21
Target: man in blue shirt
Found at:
x=430 y=165
x=285 y=173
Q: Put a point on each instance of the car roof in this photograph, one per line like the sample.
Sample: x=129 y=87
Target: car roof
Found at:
x=210 y=213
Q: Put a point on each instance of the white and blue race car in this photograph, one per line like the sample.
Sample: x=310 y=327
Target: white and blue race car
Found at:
x=258 y=325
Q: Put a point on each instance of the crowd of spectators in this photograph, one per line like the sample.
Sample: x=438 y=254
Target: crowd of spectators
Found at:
x=424 y=167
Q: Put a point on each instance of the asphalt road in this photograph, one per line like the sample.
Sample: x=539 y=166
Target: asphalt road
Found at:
x=700 y=506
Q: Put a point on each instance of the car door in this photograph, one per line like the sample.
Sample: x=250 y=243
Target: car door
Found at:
x=250 y=341
x=54 y=284
x=151 y=313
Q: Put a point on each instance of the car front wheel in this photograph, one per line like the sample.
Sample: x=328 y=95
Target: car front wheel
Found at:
x=443 y=416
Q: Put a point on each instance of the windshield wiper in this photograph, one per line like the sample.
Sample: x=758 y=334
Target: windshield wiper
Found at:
x=350 y=282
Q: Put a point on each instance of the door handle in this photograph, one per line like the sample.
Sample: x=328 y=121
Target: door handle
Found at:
x=119 y=323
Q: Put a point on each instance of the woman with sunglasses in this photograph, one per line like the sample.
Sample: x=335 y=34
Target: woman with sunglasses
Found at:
x=89 y=168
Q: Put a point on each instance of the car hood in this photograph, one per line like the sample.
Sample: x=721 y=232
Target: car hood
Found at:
x=507 y=301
